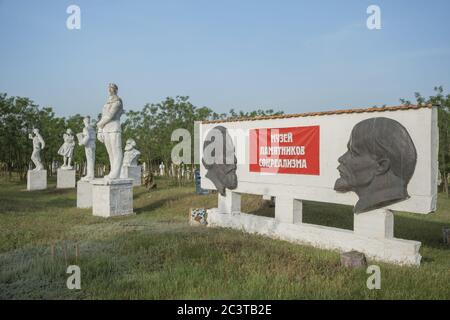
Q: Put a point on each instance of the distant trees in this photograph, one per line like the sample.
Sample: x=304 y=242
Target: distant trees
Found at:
x=443 y=102
x=151 y=127
x=18 y=117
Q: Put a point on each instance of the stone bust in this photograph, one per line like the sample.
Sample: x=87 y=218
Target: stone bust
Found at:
x=220 y=160
x=378 y=165
x=131 y=155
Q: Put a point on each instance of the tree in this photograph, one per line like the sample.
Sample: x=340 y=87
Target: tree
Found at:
x=443 y=102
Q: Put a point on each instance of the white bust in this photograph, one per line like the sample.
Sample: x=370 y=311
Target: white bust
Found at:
x=131 y=154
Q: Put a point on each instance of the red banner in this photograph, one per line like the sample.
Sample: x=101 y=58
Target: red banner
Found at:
x=285 y=150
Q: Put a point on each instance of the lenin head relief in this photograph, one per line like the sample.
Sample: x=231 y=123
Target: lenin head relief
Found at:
x=378 y=165
x=219 y=159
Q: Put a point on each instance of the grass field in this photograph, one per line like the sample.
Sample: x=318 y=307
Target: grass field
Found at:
x=155 y=254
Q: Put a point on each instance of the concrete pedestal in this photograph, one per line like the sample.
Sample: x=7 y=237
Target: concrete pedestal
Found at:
x=377 y=224
x=112 y=197
x=230 y=203
x=84 y=194
x=288 y=210
x=36 y=180
x=65 y=179
x=132 y=172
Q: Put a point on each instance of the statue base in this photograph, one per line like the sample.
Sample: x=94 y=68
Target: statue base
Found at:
x=132 y=172
x=112 y=197
x=36 y=180
x=65 y=179
x=84 y=194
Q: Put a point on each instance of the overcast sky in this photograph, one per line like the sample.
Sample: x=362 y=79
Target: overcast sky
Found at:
x=295 y=56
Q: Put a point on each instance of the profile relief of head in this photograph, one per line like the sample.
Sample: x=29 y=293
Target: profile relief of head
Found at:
x=378 y=164
x=219 y=159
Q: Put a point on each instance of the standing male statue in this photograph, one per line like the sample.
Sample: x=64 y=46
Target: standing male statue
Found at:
x=110 y=133
x=38 y=145
x=87 y=139
x=161 y=169
x=66 y=149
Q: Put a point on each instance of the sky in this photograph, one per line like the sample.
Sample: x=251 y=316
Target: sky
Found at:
x=295 y=56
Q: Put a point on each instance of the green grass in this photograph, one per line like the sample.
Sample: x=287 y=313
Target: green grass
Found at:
x=155 y=254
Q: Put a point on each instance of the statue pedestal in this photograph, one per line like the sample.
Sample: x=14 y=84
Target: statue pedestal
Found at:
x=132 y=172
x=36 y=180
x=112 y=197
x=65 y=179
x=84 y=194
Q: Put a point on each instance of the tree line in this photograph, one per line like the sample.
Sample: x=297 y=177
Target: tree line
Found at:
x=151 y=127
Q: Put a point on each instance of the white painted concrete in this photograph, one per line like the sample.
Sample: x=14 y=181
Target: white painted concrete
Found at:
x=132 y=172
x=397 y=251
x=376 y=223
x=288 y=210
x=231 y=203
x=65 y=179
x=36 y=180
x=112 y=197
x=84 y=194
x=335 y=131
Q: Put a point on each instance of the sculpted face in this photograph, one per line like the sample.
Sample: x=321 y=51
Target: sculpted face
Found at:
x=378 y=164
x=357 y=167
x=130 y=144
x=112 y=89
x=220 y=160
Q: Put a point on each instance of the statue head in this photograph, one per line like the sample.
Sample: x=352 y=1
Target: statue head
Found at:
x=219 y=159
x=69 y=131
x=378 y=165
x=36 y=131
x=113 y=89
x=87 y=121
x=130 y=144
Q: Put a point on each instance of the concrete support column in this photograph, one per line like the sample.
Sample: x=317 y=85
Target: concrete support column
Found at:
x=230 y=203
x=376 y=224
x=288 y=210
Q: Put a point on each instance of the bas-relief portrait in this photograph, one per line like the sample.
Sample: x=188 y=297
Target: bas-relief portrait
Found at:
x=219 y=159
x=378 y=164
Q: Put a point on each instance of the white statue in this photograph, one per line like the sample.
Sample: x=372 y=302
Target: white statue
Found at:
x=131 y=154
x=66 y=149
x=161 y=169
x=87 y=139
x=38 y=145
x=110 y=133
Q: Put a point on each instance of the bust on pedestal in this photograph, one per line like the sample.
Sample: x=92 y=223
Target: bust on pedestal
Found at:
x=66 y=174
x=130 y=168
x=37 y=178
x=112 y=195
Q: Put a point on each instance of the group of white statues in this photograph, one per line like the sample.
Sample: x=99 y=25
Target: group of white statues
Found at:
x=109 y=133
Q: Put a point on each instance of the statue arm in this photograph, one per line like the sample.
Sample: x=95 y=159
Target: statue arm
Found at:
x=107 y=116
x=41 y=140
x=84 y=137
